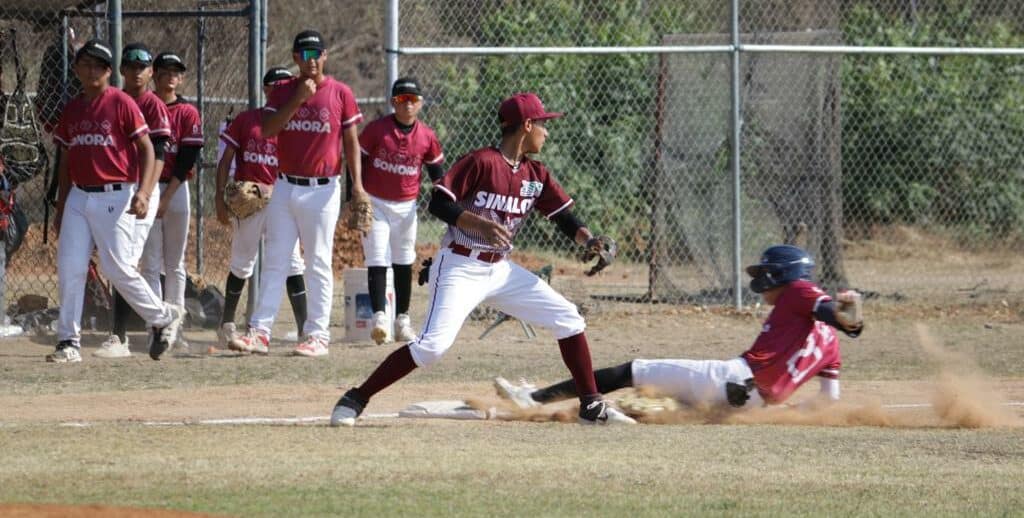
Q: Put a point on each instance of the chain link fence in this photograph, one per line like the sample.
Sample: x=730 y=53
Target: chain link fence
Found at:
x=900 y=173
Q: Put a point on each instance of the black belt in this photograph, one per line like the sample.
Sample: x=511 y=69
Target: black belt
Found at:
x=487 y=257
x=101 y=188
x=305 y=181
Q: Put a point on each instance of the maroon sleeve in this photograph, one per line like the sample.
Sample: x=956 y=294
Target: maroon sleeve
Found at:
x=458 y=183
x=367 y=138
x=804 y=297
x=350 y=113
x=132 y=122
x=434 y=155
x=553 y=198
x=191 y=131
x=232 y=135
x=831 y=371
x=157 y=117
x=62 y=133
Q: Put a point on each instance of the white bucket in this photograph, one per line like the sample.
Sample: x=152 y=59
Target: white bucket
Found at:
x=359 y=311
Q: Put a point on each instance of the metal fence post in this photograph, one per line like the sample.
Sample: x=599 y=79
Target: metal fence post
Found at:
x=391 y=48
x=115 y=36
x=201 y=105
x=737 y=123
x=257 y=40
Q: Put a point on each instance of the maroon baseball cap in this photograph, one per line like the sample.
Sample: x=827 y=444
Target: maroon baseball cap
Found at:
x=522 y=106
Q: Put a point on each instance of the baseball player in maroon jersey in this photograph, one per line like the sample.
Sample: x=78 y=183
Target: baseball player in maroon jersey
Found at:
x=100 y=200
x=797 y=343
x=137 y=70
x=168 y=239
x=255 y=160
x=485 y=199
x=313 y=117
x=395 y=148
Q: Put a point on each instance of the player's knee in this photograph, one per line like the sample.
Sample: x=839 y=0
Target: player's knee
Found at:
x=568 y=323
x=426 y=352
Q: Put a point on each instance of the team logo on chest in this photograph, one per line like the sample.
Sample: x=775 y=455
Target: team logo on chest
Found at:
x=531 y=189
x=88 y=133
x=301 y=121
x=502 y=202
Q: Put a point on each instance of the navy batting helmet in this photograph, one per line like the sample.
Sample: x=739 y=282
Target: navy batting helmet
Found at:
x=780 y=265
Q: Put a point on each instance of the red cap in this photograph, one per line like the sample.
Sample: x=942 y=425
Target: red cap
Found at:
x=522 y=106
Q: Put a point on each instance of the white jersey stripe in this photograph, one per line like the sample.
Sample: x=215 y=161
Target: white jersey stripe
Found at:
x=140 y=129
x=227 y=138
x=560 y=209
x=438 y=160
x=355 y=118
x=446 y=191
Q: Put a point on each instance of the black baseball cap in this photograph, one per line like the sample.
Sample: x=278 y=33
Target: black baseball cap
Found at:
x=136 y=53
x=406 y=85
x=276 y=74
x=97 y=49
x=307 y=40
x=169 y=60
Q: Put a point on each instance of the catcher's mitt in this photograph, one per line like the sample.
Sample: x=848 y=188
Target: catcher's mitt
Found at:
x=360 y=215
x=246 y=198
x=602 y=247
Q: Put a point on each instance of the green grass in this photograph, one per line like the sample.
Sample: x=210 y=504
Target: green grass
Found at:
x=519 y=469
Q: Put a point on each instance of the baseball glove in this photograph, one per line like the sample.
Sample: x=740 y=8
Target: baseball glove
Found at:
x=246 y=198
x=360 y=215
x=601 y=247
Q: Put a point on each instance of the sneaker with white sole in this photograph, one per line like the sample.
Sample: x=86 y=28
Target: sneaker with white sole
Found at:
x=518 y=394
x=403 y=329
x=379 y=333
x=347 y=409
x=601 y=413
x=164 y=338
x=113 y=348
x=312 y=347
x=252 y=339
x=226 y=333
x=66 y=352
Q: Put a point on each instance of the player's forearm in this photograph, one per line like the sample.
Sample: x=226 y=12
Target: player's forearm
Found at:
x=353 y=158
x=63 y=179
x=273 y=121
x=223 y=168
x=144 y=147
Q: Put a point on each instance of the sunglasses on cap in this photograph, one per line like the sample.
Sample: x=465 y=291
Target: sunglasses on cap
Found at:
x=309 y=54
x=138 y=56
x=406 y=98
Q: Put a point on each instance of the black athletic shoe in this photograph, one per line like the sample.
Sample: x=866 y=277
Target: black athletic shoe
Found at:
x=601 y=413
x=348 y=408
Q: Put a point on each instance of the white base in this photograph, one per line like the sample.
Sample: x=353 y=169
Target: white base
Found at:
x=451 y=409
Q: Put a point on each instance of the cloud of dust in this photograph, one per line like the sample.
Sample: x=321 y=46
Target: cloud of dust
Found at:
x=961 y=399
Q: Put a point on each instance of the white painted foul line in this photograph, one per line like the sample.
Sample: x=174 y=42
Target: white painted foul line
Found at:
x=228 y=421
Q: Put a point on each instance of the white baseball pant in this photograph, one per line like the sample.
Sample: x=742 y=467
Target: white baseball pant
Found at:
x=245 y=246
x=392 y=236
x=101 y=220
x=699 y=383
x=458 y=284
x=308 y=214
x=165 y=247
x=143 y=227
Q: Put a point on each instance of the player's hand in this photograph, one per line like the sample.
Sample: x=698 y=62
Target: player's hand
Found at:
x=223 y=216
x=848 y=310
x=493 y=233
x=139 y=205
x=305 y=90
x=162 y=208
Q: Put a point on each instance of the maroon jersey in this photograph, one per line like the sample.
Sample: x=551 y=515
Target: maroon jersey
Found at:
x=186 y=130
x=310 y=143
x=483 y=183
x=255 y=156
x=793 y=347
x=157 y=118
x=99 y=135
x=392 y=160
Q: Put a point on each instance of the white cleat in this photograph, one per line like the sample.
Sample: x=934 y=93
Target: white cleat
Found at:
x=226 y=333
x=403 y=329
x=113 y=348
x=343 y=416
x=602 y=414
x=312 y=347
x=518 y=394
x=379 y=333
